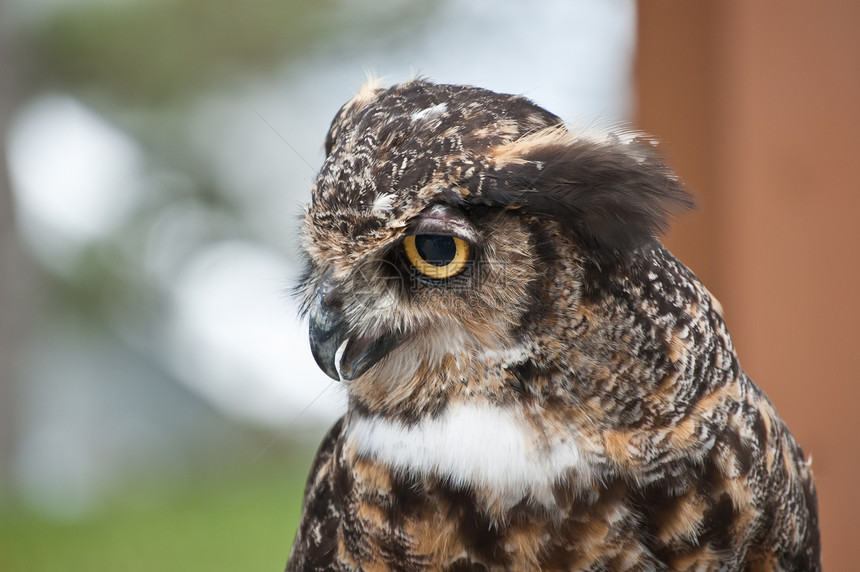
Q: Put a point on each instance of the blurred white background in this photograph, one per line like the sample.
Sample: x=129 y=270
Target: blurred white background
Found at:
x=156 y=181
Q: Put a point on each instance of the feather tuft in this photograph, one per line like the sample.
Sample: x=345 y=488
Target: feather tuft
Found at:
x=615 y=193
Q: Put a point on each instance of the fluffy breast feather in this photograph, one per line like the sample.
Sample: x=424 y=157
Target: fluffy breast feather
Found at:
x=477 y=445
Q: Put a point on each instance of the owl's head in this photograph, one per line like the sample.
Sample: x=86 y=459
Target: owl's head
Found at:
x=449 y=227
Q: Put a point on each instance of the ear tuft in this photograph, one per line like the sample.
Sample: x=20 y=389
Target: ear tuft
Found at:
x=613 y=190
x=370 y=88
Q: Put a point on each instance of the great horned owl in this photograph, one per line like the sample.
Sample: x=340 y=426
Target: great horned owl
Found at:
x=534 y=381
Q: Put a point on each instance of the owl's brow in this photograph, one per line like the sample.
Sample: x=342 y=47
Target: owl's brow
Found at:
x=285 y=141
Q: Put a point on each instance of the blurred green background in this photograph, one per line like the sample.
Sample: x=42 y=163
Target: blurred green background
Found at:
x=159 y=407
x=239 y=519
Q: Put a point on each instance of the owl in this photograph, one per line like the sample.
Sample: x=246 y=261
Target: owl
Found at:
x=534 y=382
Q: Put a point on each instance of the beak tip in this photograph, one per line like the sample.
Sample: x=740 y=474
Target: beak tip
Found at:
x=325 y=359
x=326 y=331
x=341 y=356
x=327 y=368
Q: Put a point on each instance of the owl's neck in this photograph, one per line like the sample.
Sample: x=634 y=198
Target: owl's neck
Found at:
x=500 y=450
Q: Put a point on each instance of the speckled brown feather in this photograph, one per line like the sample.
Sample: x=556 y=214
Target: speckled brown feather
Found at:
x=571 y=318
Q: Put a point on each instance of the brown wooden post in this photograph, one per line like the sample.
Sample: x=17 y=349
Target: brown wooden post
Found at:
x=758 y=104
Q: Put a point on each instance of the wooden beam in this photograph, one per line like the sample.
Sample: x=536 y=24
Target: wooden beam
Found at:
x=757 y=103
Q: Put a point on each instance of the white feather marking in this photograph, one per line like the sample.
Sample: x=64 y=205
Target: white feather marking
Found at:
x=514 y=355
x=493 y=449
x=383 y=202
x=430 y=112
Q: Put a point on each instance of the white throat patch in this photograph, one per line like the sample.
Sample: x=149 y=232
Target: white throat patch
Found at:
x=493 y=449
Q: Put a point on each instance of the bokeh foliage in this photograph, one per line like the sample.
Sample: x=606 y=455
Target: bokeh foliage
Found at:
x=151 y=51
x=155 y=50
x=146 y=65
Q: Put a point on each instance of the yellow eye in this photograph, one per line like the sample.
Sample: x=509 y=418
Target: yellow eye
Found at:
x=437 y=256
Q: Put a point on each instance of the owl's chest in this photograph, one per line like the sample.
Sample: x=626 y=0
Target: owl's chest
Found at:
x=424 y=523
x=476 y=487
x=500 y=453
x=393 y=521
x=480 y=484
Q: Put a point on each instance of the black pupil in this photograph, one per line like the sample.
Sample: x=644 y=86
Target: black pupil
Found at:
x=435 y=249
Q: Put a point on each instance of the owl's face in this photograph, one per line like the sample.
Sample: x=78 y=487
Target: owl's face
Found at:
x=446 y=225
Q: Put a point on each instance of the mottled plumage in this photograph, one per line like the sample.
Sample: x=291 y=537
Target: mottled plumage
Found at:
x=569 y=399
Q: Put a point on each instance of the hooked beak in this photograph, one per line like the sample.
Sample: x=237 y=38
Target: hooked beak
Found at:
x=341 y=353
